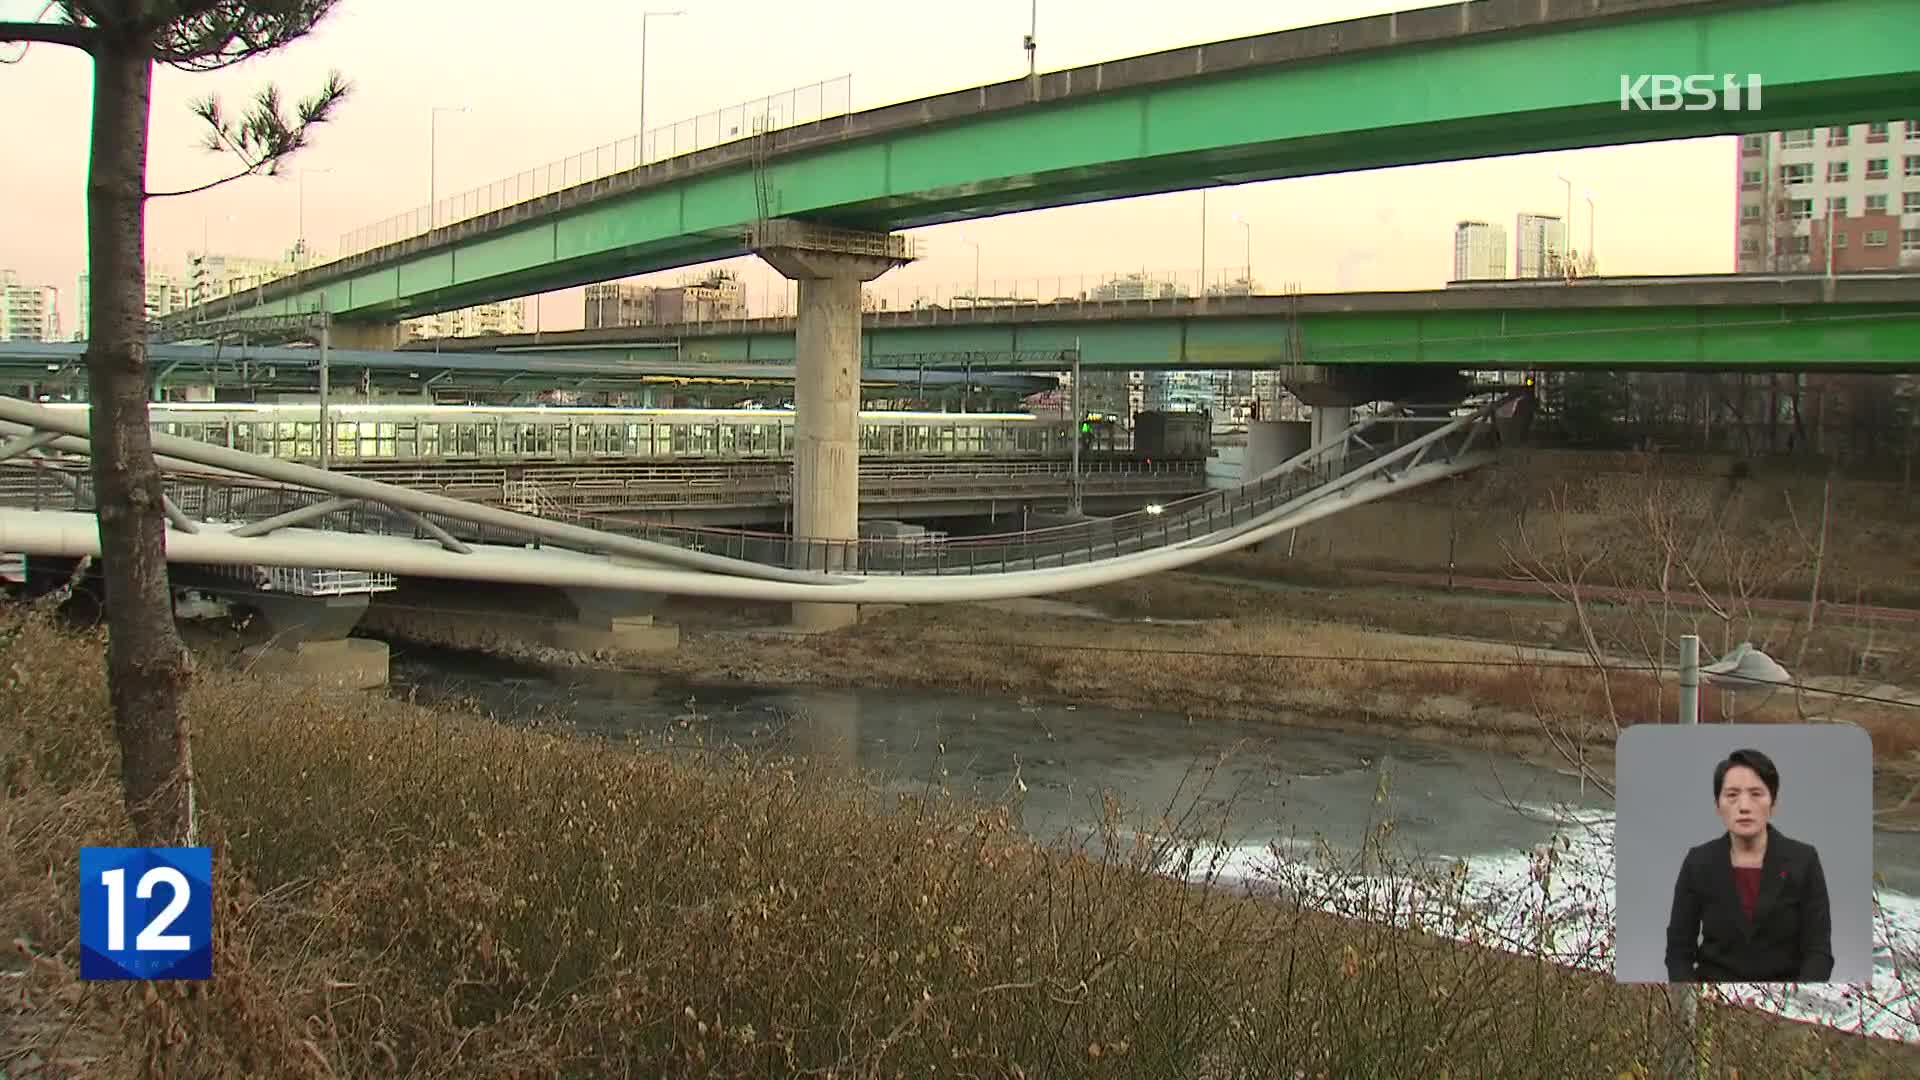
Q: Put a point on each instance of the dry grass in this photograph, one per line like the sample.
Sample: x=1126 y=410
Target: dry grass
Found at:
x=410 y=893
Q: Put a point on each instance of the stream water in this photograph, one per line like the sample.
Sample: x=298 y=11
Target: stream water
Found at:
x=1282 y=791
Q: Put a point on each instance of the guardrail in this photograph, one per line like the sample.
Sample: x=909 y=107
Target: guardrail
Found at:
x=801 y=105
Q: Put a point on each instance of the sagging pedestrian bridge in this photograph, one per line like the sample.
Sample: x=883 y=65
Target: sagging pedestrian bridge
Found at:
x=312 y=544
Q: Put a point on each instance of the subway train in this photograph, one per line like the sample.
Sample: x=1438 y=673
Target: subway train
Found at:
x=415 y=433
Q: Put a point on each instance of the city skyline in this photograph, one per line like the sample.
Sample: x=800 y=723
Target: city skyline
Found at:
x=1373 y=230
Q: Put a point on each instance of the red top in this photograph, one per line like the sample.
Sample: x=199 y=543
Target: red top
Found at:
x=1746 y=881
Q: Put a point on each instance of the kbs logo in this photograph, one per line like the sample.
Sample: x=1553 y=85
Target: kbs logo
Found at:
x=1691 y=93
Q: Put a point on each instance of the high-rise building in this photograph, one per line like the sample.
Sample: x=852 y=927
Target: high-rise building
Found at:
x=210 y=276
x=1849 y=194
x=27 y=312
x=166 y=294
x=1539 y=245
x=482 y=320
x=1479 y=251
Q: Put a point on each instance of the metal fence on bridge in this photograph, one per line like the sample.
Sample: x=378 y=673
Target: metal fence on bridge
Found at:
x=800 y=105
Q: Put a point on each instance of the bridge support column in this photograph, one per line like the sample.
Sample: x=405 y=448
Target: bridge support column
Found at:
x=619 y=620
x=830 y=266
x=1271 y=442
x=307 y=639
x=1328 y=421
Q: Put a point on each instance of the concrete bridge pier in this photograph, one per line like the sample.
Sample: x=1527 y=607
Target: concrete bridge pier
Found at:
x=1272 y=442
x=307 y=639
x=830 y=266
x=620 y=620
x=1328 y=421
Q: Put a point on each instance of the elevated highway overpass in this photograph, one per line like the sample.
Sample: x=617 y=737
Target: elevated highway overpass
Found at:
x=1851 y=322
x=1469 y=80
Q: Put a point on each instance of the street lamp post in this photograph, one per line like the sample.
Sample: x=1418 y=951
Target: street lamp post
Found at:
x=1592 y=262
x=300 y=240
x=1203 y=245
x=433 y=164
x=1566 y=224
x=1241 y=220
x=644 y=16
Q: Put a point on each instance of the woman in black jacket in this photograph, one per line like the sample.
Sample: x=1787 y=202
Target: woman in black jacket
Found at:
x=1750 y=905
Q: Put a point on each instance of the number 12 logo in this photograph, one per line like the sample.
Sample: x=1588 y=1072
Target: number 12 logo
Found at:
x=163 y=896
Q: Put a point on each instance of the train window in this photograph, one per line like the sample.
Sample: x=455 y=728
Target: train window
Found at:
x=786 y=438
x=724 y=433
x=216 y=434
x=344 y=440
x=872 y=437
x=243 y=437
x=679 y=438
x=408 y=445
x=430 y=440
x=486 y=436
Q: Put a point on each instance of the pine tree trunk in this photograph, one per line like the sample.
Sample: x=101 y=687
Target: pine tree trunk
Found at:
x=147 y=665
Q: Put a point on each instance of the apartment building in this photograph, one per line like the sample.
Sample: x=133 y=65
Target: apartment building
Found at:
x=1845 y=196
x=1539 y=245
x=27 y=312
x=1479 y=251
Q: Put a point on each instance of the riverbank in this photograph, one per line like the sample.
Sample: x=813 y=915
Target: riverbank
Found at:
x=1189 y=645
x=409 y=891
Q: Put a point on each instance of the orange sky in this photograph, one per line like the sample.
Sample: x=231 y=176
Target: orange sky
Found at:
x=539 y=88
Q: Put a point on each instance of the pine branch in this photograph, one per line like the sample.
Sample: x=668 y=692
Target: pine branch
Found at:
x=75 y=37
x=265 y=136
x=206 y=35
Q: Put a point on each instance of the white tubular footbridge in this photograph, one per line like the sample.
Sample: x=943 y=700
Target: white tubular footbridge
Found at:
x=258 y=511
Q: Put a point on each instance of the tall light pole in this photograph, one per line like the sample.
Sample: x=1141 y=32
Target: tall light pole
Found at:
x=1240 y=219
x=1592 y=262
x=644 y=16
x=1203 y=245
x=1566 y=224
x=300 y=240
x=1033 y=30
x=433 y=164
